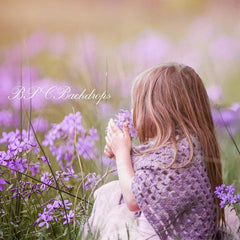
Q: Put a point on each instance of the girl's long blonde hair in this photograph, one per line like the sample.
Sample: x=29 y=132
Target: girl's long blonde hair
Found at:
x=172 y=97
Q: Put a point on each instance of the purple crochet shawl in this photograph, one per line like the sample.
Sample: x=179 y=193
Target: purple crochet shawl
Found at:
x=178 y=203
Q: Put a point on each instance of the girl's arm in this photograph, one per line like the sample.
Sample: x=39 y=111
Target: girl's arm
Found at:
x=119 y=145
x=126 y=174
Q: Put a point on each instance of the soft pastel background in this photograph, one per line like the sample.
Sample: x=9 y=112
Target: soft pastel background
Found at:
x=103 y=45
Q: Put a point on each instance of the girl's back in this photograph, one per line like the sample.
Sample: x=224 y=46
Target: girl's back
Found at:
x=176 y=202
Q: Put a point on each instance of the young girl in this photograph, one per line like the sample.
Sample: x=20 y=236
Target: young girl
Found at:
x=166 y=184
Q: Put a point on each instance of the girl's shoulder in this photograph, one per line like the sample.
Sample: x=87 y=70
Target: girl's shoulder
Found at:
x=163 y=156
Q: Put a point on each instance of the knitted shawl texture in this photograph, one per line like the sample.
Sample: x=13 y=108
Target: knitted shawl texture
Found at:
x=178 y=203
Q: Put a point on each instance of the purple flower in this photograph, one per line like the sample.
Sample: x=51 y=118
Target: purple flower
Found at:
x=227 y=195
x=45 y=159
x=69 y=217
x=62 y=142
x=69 y=173
x=34 y=168
x=17 y=142
x=53 y=210
x=18 y=165
x=66 y=204
x=92 y=179
x=86 y=148
x=2 y=182
x=46 y=178
x=45 y=217
x=26 y=189
x=65 y=175
x=125 y=116
x=56 y=204
x=227 y=118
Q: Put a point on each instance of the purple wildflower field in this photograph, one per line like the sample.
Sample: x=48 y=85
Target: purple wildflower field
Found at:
x=58 y=92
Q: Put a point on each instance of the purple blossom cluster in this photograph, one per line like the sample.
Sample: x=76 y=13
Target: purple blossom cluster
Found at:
x=19 y=142
x=91 y=182
x=18 y=146
x=70 y=137
x=227 y=195
x=26 y=189
x=228 y=118
x=61 y=176
x=125 y=116
x=47 y=179
x=55 y=211
x=69 y=172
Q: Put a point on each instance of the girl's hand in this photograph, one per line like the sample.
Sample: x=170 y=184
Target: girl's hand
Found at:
x=119 y=143
x=117 y=140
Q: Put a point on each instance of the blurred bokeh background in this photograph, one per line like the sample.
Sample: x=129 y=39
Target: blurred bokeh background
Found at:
x=102 y=45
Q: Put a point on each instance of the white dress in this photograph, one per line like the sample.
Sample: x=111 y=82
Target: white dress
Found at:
x=116 y=222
